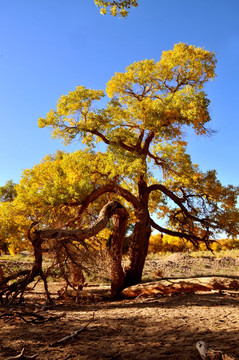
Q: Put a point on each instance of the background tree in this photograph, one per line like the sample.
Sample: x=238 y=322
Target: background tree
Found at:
x=7 y=195
x=145 y=161
x=8 y=191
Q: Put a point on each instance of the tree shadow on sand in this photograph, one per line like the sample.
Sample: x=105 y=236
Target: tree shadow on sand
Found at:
x=159 y=327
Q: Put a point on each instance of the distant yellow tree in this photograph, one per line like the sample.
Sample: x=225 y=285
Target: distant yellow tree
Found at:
x=160 y=243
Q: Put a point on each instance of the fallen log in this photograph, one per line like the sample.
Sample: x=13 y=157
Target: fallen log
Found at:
x=190 y=285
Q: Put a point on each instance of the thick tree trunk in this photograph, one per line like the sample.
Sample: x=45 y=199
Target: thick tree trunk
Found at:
x=1 y=274
x=138 y=249
x=120 y=221
x=140 y=239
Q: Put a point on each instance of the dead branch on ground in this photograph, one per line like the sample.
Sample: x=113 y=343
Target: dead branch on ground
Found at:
x=22 y=356
x=32 y=318
x=73 y=335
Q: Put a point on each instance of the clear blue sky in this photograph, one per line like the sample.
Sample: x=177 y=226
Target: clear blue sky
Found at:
x=48 y=47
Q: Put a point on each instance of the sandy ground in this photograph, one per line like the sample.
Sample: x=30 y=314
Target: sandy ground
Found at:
x=156 y=327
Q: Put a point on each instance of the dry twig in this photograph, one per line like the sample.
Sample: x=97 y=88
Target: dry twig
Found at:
x=32 y=318
x=73 y=335
x=21 y=356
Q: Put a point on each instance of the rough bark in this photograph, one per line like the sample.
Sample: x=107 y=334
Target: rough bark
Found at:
x=81 y=234
x=1 y=274
x=140 y=239
x=120 y=220
x=190 y=285
x=138 y=248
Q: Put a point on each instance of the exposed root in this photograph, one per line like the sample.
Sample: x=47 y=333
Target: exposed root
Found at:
x=22 y=356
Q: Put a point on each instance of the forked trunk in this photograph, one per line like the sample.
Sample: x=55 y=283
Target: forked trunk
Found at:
x=138 y=249
x=140 y=239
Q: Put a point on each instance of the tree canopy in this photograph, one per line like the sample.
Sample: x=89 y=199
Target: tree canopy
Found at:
x=143 y=125
x=142 y=163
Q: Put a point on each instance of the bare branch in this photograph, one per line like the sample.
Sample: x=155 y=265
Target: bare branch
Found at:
x=22 y=356
x=73 y=335
x=178 y=201
x=108 y=142
x=147 y=142
x=107 y=211
x=195 y=240
x=111 y=187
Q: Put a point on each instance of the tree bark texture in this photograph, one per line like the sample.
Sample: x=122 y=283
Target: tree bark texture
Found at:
x=140 y=239
x=120 y=221
x=81 y=234
x=1 y=274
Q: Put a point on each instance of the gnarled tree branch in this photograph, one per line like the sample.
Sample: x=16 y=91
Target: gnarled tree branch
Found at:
x=195 y=240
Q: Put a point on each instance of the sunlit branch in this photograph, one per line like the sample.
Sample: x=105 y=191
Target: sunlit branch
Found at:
x=190 y=237
x=177 y=201
x=112 y=187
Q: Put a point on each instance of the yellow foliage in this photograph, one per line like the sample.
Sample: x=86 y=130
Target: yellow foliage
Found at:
x=116 y=7
x=164 y=243
x=151 y=104
x=16 y=245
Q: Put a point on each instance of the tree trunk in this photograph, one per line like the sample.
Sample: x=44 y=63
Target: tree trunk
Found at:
x=1 y=274
x=17 y=288
x=120 y=220
x=140 y=239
